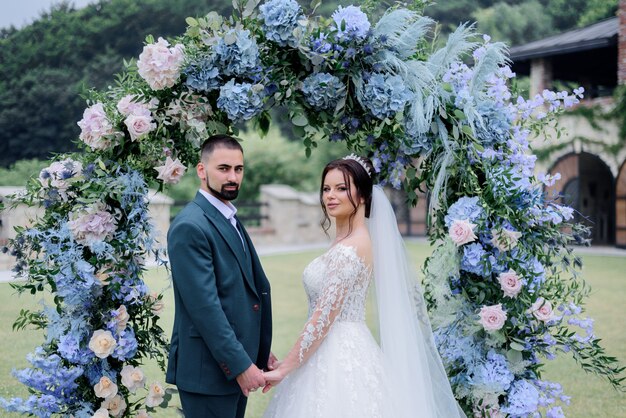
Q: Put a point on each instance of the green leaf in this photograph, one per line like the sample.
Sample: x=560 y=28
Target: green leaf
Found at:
x=191 y=21
x=455 y=132
x=459 y=114
x=467 y=130
x=300 y=120
x=516 y=346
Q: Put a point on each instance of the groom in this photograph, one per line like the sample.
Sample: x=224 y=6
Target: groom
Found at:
x=222 y=325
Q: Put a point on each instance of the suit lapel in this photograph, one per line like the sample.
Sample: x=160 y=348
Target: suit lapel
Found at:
x=229 y=234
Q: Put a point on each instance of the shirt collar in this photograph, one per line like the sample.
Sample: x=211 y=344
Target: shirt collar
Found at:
x=226 y=209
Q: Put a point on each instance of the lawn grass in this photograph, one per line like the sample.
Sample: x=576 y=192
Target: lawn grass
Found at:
x=591 y=396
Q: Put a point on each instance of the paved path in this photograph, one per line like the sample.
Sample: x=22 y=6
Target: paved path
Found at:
x=7 y=276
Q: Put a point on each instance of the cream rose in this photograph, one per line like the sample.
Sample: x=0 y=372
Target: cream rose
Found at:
x=139 y=125
x=510 y=283
x=101 y=413
x=105 y=388
x=171 y=171
x=492 y=318
x=102 y=343
x=542 y=310
x=505 y=240
x=155 y=395
x=462 y=231
x=133 y=378
x=116 y=405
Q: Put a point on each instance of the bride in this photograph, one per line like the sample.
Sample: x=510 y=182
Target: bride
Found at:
x=336 y=368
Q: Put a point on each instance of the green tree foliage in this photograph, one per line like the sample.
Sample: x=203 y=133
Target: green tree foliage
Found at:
x=20 y=172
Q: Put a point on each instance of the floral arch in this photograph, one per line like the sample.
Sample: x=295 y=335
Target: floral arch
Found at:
x=508 y=300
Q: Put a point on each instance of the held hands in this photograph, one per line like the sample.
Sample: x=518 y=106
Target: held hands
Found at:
x=273 y=378
x=250 y=380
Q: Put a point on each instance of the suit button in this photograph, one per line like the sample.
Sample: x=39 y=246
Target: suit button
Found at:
x=255 y=307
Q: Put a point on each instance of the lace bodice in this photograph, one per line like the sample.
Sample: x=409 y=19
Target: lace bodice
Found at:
x=336 y=284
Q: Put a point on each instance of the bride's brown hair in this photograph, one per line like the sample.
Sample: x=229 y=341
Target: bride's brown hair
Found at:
x=353 y=172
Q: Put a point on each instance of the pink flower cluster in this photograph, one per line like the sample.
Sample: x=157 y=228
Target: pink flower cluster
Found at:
x=92 y=224
x=160 y=65
x=59 y=174
x=138 y=117
x=96 y=129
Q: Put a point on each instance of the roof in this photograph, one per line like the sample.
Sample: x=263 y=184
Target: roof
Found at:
x=599 y=35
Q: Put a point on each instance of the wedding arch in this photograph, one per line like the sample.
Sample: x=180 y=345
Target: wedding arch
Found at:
x=502 y=286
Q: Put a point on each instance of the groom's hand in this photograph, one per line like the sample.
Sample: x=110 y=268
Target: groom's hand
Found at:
x=250 y=380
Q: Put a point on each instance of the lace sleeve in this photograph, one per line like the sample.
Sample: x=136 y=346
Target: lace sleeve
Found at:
x=344 y=272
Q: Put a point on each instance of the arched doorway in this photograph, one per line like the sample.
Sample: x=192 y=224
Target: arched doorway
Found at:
x=587 y=185
x=620 y=207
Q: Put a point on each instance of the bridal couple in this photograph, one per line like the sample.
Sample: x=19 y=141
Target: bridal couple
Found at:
x=220 y=348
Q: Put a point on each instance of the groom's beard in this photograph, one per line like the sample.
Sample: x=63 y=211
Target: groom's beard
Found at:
x=223 y=193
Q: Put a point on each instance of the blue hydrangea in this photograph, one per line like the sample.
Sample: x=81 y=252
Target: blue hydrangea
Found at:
x=351 y=22
x=203 y=74
x=322 y=90
x=238 y=53
x=493 y=375
x=126 y=347
x=466 y=208
x=280 y=19
x=320 y=44
x=476 y=260
x=240 y=101
x=523 y=399
x=384 y=96
x=495 y=127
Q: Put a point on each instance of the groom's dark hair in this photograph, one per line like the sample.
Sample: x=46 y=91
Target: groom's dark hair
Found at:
x=217 y=141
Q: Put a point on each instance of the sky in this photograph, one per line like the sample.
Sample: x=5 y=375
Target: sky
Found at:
x=22 y=12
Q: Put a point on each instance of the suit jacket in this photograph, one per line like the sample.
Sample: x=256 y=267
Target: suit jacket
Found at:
x=223 y=320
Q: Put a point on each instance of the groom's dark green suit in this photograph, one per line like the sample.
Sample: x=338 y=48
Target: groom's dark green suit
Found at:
x=222 y=318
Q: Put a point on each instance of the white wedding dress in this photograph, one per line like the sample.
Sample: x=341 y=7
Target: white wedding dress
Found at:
x=344 y=377
x=349 y=375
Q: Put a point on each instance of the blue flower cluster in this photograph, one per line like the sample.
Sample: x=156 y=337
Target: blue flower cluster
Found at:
x=493 y=375
x=523 y=399
x=238 y=53
x=466 y=208
x=495 y=126
x=203 y=74
x=240 y=101
x=351 y=22
x=280 y=20
x=322 y=90
x=384 y=95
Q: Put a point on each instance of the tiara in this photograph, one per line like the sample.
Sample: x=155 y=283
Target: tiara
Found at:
x=359 y=160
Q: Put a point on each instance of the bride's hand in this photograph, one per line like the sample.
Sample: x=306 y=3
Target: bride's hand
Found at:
x=272 y=378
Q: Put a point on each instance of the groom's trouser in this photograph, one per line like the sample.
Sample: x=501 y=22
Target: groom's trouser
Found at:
x=196 y=405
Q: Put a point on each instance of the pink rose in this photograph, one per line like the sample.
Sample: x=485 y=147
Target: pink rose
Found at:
x=96 y=128
x=155 y=396
x=492 y=318
x=160 y=65
x=462 y=232
x=542 y=310
x=92 y=224
x=505 y=240
x=171 y=172
x=139 y=125
x=510 y=283
x=129 y=105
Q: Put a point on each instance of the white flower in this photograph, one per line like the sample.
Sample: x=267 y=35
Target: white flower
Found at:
x=157 y=304
x=171 y=172
x=505 y=240
x=121 y=317
x=116 y=405
x=133 y=378
x=510 y=283
x=101 y=413
x=462 y=231
x=96 y=129
x=102 y=343
x=142 y=414
x=160 y=65
x=155 y=395
x=92 y=224
x=139 y=125
x=105 y=388
x=128 y=105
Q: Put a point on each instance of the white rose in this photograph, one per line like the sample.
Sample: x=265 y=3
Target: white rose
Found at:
x=171 y=172
x=121 y=317
x=128 y=105
x=505 y=240
x=155 y=395
x=157 y=304
x=542 y=310
x=133 y=378
x=116 y=405
x=510 y=283
x=105 y=388
x=102 y=343
x=462 y=231
x=139 y=125
x=142 y=414
x=101 y=413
